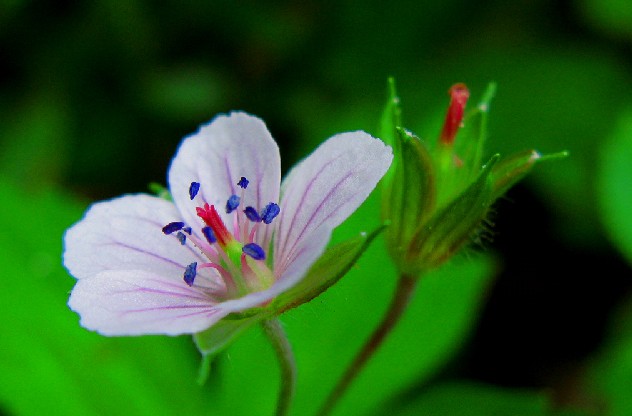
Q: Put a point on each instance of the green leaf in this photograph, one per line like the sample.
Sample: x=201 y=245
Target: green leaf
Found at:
x=613 y=17
x=326 y=335
x=453 y=398
x=615 y=185
x=327 y=270
x=326 y=332
x=51 y=365
x=609 y=375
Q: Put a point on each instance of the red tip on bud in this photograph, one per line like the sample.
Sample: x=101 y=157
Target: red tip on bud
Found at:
x=458 y=98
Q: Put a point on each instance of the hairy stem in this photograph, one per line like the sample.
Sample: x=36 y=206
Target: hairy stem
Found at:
x=403 y=294
x=283 y=349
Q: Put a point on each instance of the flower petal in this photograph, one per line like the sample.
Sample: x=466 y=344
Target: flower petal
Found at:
x=133 y=302
x=323 y=190
x=126 y=234
x=217 y=156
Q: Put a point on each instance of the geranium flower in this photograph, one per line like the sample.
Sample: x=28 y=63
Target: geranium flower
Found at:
x=232 y=240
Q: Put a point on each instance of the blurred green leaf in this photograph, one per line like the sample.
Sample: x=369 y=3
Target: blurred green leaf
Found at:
x=610 y=374
x=327 y=332
x=613 y=17
x=187 y=92
x=327 y=270
x=467 y=398
x=34 y=141
x=615 y=185
x=50 y=365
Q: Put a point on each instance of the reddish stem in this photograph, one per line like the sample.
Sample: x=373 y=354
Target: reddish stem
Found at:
x=403 y=294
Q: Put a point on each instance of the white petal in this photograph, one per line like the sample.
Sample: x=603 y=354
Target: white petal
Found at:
x=126 y=234
x=324 y=189
x=217 y=156
x=134 y=302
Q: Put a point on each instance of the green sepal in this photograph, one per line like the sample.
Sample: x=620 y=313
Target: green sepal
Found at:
x=160 y=191
x=218 y=336
x=459 y=165
x=512 y=169
x=391 y=117
x=474 y=134
x=450 y=227
x=408 y=198
x=326 y=271
x=205 y=368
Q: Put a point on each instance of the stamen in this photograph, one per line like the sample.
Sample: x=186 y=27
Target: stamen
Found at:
x=194 y=189
x=255 y=251
x=209 y=235
x=243 y=182
x=172 y=227
x=232 y=203
x=187 y=230
x=270 y=212
x=252 y=214
x=181 y=237
x=190 y=273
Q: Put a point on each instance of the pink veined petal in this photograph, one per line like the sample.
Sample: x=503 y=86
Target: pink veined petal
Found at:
x=324 y=189
x=136 y=302
x=217 y=156
x=125 y=234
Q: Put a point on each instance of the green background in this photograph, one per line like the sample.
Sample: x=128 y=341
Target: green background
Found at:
x=96 y=96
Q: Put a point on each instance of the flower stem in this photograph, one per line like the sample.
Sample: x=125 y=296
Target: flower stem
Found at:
x=283 y=349
x=403 y=294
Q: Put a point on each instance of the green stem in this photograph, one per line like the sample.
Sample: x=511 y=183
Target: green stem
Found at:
x=403 y=294
x=283 y=349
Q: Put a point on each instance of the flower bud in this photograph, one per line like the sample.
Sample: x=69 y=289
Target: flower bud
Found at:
x=435 y=197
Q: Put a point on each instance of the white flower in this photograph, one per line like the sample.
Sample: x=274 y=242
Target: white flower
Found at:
x=233 y=238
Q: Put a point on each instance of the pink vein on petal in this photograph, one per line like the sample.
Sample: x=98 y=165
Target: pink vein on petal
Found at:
x=305 y=192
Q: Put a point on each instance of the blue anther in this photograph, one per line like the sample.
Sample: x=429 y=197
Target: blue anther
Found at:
x=252 y=214
x=189 y=273
x=194 y=189
x=181 y=237
x=270 y=212
x=172 y=227
x=255 y=251
x=243 y=182
x=209 y=235
x=187 y=230
x=232 y=203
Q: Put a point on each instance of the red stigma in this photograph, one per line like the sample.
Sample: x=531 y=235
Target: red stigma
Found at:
x=458 y=98
x=213 y=220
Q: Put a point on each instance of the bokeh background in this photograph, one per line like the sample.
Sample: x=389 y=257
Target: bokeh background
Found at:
x=95 y=97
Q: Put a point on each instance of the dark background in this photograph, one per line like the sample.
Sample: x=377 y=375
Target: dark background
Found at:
x=96 y=96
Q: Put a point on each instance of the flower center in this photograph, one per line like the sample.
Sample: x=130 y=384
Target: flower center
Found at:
x=235 y=256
